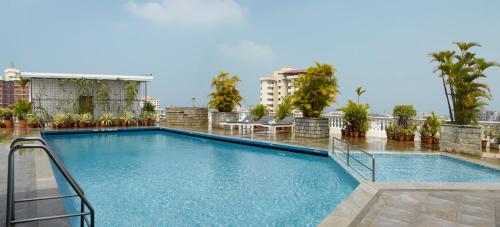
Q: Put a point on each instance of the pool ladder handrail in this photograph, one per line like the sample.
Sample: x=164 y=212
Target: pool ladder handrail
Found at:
x=10 y=220
x=348 y=152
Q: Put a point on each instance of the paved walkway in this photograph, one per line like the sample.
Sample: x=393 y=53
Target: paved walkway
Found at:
x=432 y=208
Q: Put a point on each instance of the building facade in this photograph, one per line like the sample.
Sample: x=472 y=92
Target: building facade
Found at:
x=10 y=88
x=273 y=89
x=54 y=93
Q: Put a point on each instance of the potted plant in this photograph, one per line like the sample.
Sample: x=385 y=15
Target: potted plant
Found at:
x=7 y=117
x=34 y=121
x=434 y=124
x=58 y=121
x=106 y=119
x=460 y=72
x=128 y=119
x=84 y=120
x=21 y=109
x=389 y=131
x=404 y=115
x=225 y=98
x=356 y=117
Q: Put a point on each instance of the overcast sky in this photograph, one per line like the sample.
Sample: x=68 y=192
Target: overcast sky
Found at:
x=380 y=45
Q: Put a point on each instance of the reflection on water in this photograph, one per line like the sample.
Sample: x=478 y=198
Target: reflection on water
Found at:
x=369 y=143
x=8 y=134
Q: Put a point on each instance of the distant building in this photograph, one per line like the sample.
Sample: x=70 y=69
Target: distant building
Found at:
x=488 y=115
x=152 y=100
x=273 y=89
x=10 y=89
x=53 y=93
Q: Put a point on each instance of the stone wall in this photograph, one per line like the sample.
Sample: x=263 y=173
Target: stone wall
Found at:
x=218 y=117
x=188 y=116
x=461 y=139
x=311 y=127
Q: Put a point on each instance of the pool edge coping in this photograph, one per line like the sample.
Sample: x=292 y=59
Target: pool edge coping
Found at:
x=248 y=142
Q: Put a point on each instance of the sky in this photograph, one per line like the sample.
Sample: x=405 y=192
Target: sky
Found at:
x=382 y=46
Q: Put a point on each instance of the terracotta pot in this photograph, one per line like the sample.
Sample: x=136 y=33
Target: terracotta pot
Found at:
x=412 y=138
x=31 y=125
x=391 y=136
x=435 y=140
x=342 y=131
x=401 y=138
x=121 y=123
x=54 y=125
x=355 y=134
x=8 y=123
x=362 y=134
x=484 y=143
x=81 y=125
x=427 y=139
x=22 y=124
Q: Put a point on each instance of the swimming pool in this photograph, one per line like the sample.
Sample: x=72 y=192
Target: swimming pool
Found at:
x=424 y=167
x=158 y=178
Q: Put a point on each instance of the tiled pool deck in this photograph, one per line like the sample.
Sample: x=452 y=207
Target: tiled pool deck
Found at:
x=371 y=204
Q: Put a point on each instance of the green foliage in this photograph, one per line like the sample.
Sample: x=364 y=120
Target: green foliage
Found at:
x=85 y=118
x=22 y=108
x=226 y=96
x=59 y=119
x=106 y=119
x=6 y=113
x=284 y=109
x=131 y=91
x=316 y=90
x=23 y=82
x=149 y=116
x=359 y=92
x=259 y=111
x=103 y=93
x=34 y=119
x=461 y=71
x=356 y=116
x=128 y=118
x=148 y=107
x=434 y=124
x=390 y=129
x=404 y=114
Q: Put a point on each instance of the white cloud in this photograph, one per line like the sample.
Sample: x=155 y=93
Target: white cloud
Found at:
x=249 y=52
x=193 y=14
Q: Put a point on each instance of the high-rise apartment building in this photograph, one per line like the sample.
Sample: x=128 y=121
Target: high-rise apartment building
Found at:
x=273 y=89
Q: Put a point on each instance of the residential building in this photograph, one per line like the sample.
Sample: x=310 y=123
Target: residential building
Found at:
x=10 y=89
x=53 y=93
x=273 y=89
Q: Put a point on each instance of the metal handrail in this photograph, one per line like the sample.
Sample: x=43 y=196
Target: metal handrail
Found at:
x=347 y=151
x=10 y=220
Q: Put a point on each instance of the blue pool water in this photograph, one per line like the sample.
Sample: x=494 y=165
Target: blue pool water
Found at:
x=162 y=179
x=406 y=167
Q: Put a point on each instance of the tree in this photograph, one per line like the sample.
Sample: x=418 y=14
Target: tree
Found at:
x=460 y=72
x=259 y=111
x=404 y=114
x=148 y=107
x=284 y=109
x=226 y=96
x=316 y=89
x=356 y=116
x=359 y=91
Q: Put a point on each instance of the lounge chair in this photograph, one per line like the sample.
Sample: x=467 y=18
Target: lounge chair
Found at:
x=247 y=120
x=285 y=123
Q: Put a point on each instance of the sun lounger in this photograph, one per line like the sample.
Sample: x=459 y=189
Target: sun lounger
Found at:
x=286 y=123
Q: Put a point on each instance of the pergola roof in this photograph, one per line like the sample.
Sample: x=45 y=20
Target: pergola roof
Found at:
x=39 y=75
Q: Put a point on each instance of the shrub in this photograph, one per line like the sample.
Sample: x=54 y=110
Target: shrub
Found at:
x=226 y=96
x=259 y=111
x=356 y=116
x=59 y=119
x=34 y=119
x=106 y=119
x=85 y=118
x=6 y=113
x=284 y=109
x=316 y=90
x=404 y=114
x=22 y=108
x=128 y=118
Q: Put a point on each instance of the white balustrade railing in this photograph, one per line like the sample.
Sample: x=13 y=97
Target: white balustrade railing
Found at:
x=377 y=123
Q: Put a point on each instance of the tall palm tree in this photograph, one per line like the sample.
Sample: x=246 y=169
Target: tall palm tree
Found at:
x=359 y=91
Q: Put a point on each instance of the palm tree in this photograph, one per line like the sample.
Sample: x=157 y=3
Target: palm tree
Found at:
x=359 y=91
x=23 y=82
x=226 y=96
x=462 y=70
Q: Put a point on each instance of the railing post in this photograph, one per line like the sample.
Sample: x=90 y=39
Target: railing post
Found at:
x=348 y=154
x=373 y=169
x=82 y=209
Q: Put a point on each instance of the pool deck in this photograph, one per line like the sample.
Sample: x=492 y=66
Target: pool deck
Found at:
x=371 y=204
